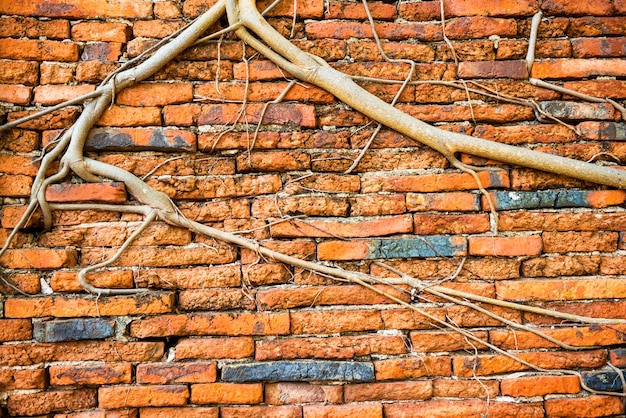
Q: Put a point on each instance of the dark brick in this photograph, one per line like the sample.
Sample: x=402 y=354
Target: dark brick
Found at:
x=578 y=111
x=541 y=199
x=129 y=139
x=603 y=380
x=431 y=246
x=299 y=371
x=602 y=130
x=73 y=330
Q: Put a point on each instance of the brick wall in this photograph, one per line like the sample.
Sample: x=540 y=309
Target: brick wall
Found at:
x=224 y=333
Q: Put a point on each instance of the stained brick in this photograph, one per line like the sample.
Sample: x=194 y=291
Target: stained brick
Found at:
x=161 y=373
x=16 y=379
x=353 y=229
x=577 y=68
x=285 y=393
x=290 y=371
x=105 y=374
x=37 y=50
x=493 y=69
x=579 y=111
x=73 y=330
x=603 y=380
x=129 y=139
x=88 y=192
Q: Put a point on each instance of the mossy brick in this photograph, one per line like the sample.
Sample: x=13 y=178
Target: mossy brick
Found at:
x=73 y=330
x=299 y=371
x=606 y=380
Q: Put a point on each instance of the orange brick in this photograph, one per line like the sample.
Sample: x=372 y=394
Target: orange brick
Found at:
x=465 y=408
x=433 y=182
x=214 y=348
x=161 y=373
x=599 y=288
x=94 y=71
x=56 y=73
x=18 y=72
x=465 y=388
x=412 y=367
x=586 y=407
x=155 y=94
x=26 y=282
x=15 y=94
x=564 y=7
x=280 y=113
x=214 y=300
x=97 y=192
x=16 y=379
x=101 y=31
x=15 y=330
x=235 y=324
x=38 y=258
x=355 y=229
x=329 y=322
x=161 y=257
x=187 y=412
x=17 y=164
x=615 y=89
x=190 y=277
x=551 y=221
x=577 y=68
x=442 y=202
x=15 y=185
x=290 y=411
x=491 y=8
x=343 y=411
x=299 y=393
x=206 y=188
x=540 y=385
x=433 y=342
x=11 y=27
x=227 y=393
x=428 y=224
x=89 y=10
x=58 y=119
x=396 y=391
x=46 y=402
x=481 y=27
x=580 y=337
x=505 y=246
x=138 y=396
x=563 y=242
x=130 y=116
x=406 y=319
x=106 y=374
x=273 y=161
x=558 y=266
x=55 y=94
x=61 y=306
x=37 y=50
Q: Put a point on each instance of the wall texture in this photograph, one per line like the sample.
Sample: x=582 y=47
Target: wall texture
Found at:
x=225 y=333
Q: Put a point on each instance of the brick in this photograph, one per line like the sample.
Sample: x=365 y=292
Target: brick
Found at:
x=390 y=31
x=459 y=409
x=310 y=206
x=15 y=185
x=427 y=224
x=280 y=113
x=27 y=282
x=368 y=51
x=561 y=289
x=546 y=221
x=15 y=330
x=290 y=371
x=490 y=8
x=20 y=27
x=407 y=319
x=577 y=68
x=558 y=266
x=581 y=337
x=598 y=47
x=64 y=306
x=138 y=396
x=377 y=160
x=311 y=9
x=262 y=92
x=99 y=413
x=264 y=274
x=102 y=374
x=465 y=388
x=226 y=393
x=26 y=354
x=215 y=300
x=15 y=94
x=578 y=111
x=155 y=94
x=435 y=341
x=347 y=411
x=468 y=317
x=394 y=391
x=273 y=161
x=16 y=379
x=595 y=26
x=192 y=165
x=589 y=406
x=128 y=139
x=564 y=7
x=512 y=200
x=562 y=242
x=101 y=31
x=130 y=116
x=161 y=373
x=101 y=51
x=214 y=348
x=94 y=71
x=374 y=205
x=615 y=89
x=38 y=258
x=329 y=347
x=329 y=322
x=73 y=330
x=493 y=69
x=323 y=183
x=56 y=73
x=262 y=411
x=300 y=249
x=378 y=10
x=188 y=70
x=59 y=119
x=38 y=50
x=480 y=27
x=603 y=380
x=285 y=393
x=356 y=229
x=46 y=402
x=420 y=11
x=468 y=52
x=433 y=182
x=412 y=367
x=19 y=72
x=618 y=357
x=234 y=324
x=91 y=10
x=442 y=202
x=190 y=412
x=505 y=246
x=96 y=192
x=166 y=10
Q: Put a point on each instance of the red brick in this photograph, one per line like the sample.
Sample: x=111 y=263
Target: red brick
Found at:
x=490 y=8
x=396 y=391
x=214 y=348
x=15 y=330
x=27 y=354
x=138 y=396
x=427 y=224
x=586 y=407
x=130 y=116
x=353 y=11
x=62 y=306
x=299 y=393
x=565 y=7
x=187 y=412
x=480 y=27
x=15 y=94
x=161 y=373
x=95 y=192
x=563 y=242
x=614 y=89
x=101 y=31
x=38 y=50
x=45 y=402
x=106 y=374
x=333 y=321
x=433 y=182
x=618 y=357
x=280 y=113
x=18 y=72
x=596 y=26
x=215 y=300
x=505 y=246
x=390 y=31
x=262 y=92
x=540 y=385
x=227 y=393
x=494 y=69
x=16 y=379
x=599 y=47
x=558 y=266
x=261 y=411
x=577 y=68
x=88 y=10
x=306 y=205
x=412 y=367
x=465 y=408
x=343 y=411
x=484 y=365
x=439 y=341
x=581 y=337
x=465 y=388
x=420 y=11
x=161 y=257
x=155 y=94
x=467 y=317
x=38 y=258
x=234 y=324
x=366 y=228
x=323 y=183
x=561 y=289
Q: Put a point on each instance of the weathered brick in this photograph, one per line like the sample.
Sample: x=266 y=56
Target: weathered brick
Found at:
x=226 y=393
x=285 y=393
x=161 y=257
x=273 y=161
x=20 y=95
x=19 y=72
x=355 y=229
x=234 y=324
x=465 y=388
x=16 y=379
x=73 y=330
x=38 y=258
x=459 y=409
x=97 y=192
x=129 y=139
x=427 y=224
x=563 y=242
x=215 y=348
x=348 y=411
x=561 y=289
x=412 y=367
x=558 y=266
x=599 y=47
x=390 y=31
x=89 y=10
x=581 y=337
x=439 y=341
x=615 y=89
x=586 y=407
x=290 y=371
x=170 y=412
x=433 y=182
x=442 y=202
x=137 y=396
x=329 y=322
x=101 y=31
x=155 y=94
x=161 y=373
x=578 y=111
x=46 y=402
x=105 y=374
x=15 y=185
x=564 y=7
x=38 y=50
x=493 y=69
x=56 y=73
x=93 y=71
x=28 y=27
x=603 y=380
x=289 y=411
x=511 y=200
x=214 y=300
x=15 y=330
x=280 y=113
x=395 y=391
x=130 y=116
x=550 y=221
x=480 y=27
x=65 y=306
x=577 y=68
x=540 y=385
x=505 y=246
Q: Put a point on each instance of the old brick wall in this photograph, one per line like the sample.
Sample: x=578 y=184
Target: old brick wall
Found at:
x=224 y=333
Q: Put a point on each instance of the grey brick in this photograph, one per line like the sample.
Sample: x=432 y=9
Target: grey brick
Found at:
x=73 y=330
x=429 y=246
x=299 y=371
x=603 y=380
